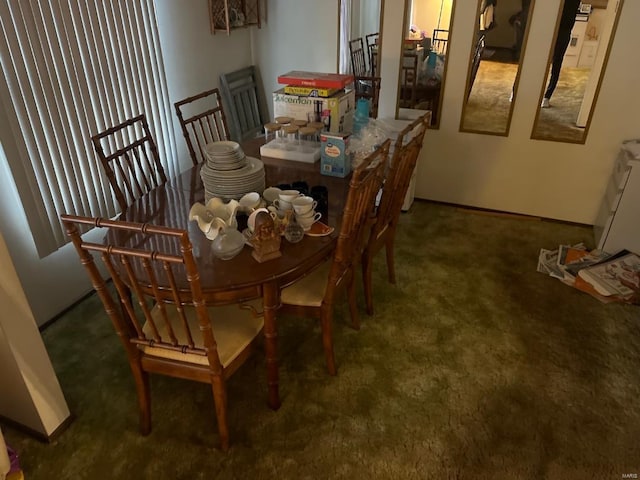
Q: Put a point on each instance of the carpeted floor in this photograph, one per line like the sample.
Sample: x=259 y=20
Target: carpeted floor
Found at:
x=488 y=107
x=559 y=120
x=475 y=366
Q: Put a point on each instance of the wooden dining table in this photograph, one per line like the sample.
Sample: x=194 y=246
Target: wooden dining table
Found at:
x=242 y=278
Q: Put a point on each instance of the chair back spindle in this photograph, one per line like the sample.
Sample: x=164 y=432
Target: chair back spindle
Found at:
x=203 y=120
x=130 y=159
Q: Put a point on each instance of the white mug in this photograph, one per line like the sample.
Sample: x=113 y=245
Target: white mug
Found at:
x=250 y=200
x=282 y=204
x=306 y=221
x=304 y=204
x=251 y=221
x=289 y=195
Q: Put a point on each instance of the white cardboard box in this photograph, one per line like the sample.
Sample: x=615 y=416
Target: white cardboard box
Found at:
x=336 y=111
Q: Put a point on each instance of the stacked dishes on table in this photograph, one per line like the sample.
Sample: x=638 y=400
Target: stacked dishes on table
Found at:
x=228 y=173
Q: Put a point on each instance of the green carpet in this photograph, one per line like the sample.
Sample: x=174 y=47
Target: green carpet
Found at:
x=475 y=366
x=487 y=109
x=559 y=120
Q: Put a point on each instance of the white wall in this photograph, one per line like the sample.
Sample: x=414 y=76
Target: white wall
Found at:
x=193 y=57
x=297 y=35
x=516 y=174
x=30 y=393
x=427 y=15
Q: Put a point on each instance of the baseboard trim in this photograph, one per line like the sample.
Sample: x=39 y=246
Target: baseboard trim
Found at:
x=43 y=437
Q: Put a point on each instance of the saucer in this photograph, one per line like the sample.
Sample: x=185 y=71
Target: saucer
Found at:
x=319 y=229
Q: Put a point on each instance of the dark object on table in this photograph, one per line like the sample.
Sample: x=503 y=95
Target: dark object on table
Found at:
x=321 y=195
x=301 y=186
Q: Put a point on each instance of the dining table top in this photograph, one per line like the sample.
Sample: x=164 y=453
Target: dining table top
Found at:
x=241 y=277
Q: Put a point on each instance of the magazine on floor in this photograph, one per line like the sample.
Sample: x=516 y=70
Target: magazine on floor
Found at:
x=618 y=275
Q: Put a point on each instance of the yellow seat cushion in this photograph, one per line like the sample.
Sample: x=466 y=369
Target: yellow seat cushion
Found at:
x=308 y=291
x=233 y=328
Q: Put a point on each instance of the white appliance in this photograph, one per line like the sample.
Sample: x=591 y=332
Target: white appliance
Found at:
x=616 y=226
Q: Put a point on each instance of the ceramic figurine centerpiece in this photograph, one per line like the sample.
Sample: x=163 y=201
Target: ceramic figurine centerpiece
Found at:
x=265 y=239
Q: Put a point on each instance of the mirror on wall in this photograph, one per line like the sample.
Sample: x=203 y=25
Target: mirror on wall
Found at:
x=360 y=38
x=423 y=62
x=494 y=67
x=577 y=61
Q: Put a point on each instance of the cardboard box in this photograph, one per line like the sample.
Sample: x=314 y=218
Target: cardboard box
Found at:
x=336 y=111
x=335 y=157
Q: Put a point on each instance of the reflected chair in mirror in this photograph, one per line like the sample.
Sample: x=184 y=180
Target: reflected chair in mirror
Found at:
x=315 y=295
x=440 y=41
x=203 y=121
x=369 y=88
x=157 y=308
x=366 y=85
x=372 y=49
x=245 y=102
x=475 y=62
x=384 y=222
x=409 y=79
x=358 y=58
x=130 y=159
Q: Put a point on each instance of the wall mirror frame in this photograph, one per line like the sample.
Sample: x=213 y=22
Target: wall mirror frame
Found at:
x=359 y=39
x=583 y=66
x=497 y=52
x=424 y=50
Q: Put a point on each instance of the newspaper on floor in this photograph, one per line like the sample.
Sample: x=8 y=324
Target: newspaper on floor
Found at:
x=565 y=263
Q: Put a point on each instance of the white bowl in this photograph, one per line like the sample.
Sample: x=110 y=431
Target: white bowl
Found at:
x=270 y=194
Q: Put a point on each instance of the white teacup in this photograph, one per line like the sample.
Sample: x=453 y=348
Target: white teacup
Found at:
x=303 y=204
x=289 y=195
x=306 y=220
x=271 y=194
x=250 y=201
x=251 y=221
x=282 y=204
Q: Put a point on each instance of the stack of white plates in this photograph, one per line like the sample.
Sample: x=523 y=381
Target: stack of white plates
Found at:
x=228 y=173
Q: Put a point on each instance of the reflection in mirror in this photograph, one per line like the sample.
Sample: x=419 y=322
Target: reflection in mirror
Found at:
x=494 y=68
x=360 y=39
x=577 y=61
x=424 y=57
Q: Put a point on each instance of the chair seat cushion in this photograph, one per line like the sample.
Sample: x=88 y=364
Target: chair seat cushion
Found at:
x=309 y=291
x=233 y=328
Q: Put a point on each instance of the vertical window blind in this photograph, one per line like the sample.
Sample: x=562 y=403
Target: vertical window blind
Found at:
x=344 y=34
x=71 y=69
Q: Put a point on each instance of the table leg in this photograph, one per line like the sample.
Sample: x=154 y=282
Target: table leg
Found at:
x=271 y=302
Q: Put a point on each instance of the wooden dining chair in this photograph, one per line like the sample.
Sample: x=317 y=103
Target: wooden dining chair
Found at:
x=130 y=159
x=160 y=315
x=409 y=79
x=203 y=121
x=385 y=220
x=440 y=41
x=372 y=45
x=358 y=57
x=369 y=88
x=315 y=295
